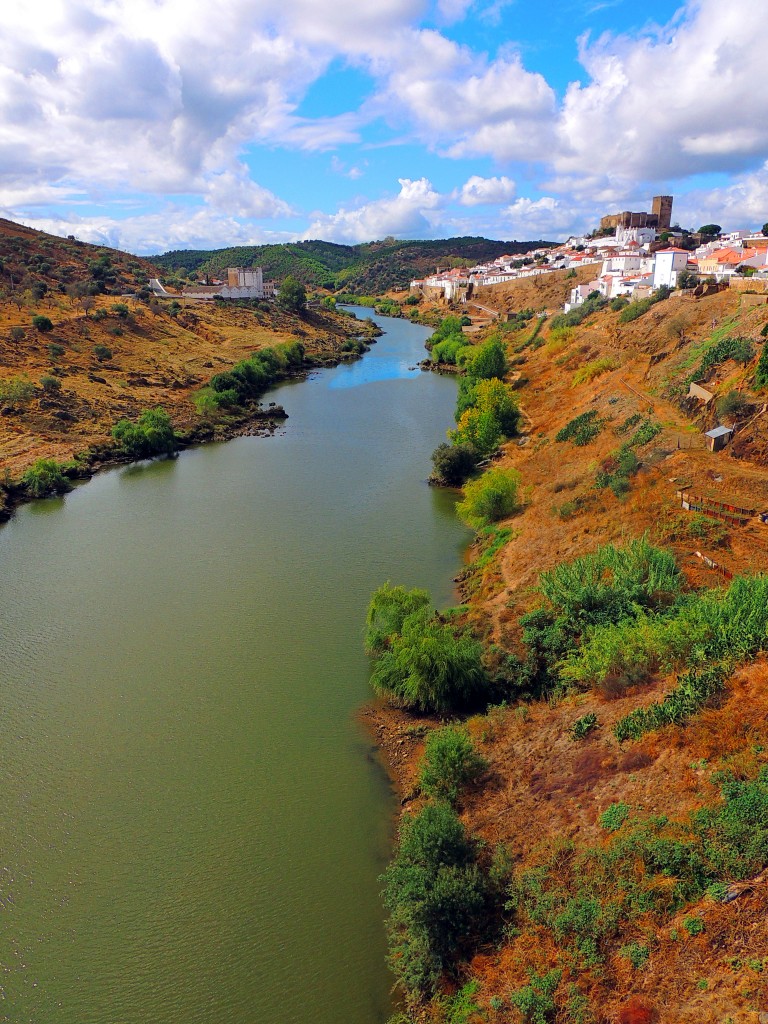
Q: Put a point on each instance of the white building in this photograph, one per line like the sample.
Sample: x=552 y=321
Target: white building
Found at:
x=240 y=284
x=667 y=265
x=622 y=263
x=636 y=236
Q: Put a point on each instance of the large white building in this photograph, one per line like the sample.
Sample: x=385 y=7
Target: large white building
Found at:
x=240 y=284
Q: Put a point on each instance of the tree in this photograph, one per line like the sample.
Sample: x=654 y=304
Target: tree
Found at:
x=687 y=279
x=42 y=324
x=437 y=897
x=421 y=662
x=292 y=295
x=453 y=463
x=490 y=361
x=16 y=391
x=710 y=229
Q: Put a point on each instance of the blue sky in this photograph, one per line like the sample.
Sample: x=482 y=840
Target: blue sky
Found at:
x=159 y=124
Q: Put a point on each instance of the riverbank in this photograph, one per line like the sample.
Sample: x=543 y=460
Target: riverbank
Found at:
x=69 y=419
x=603 y=920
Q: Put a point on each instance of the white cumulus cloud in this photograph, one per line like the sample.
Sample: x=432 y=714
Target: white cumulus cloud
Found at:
x=477 y=191
x=411 y=213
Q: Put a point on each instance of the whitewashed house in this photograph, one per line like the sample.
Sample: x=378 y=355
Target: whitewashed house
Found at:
x=667 y=265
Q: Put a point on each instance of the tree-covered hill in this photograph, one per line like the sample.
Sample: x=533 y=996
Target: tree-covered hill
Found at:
x=370 y=268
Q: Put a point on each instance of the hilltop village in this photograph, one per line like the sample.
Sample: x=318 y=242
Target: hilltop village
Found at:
x=636 y=253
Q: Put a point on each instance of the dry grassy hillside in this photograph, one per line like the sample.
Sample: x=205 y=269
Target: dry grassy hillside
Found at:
x=544 y=791
x=545 y=292
x=111 y=349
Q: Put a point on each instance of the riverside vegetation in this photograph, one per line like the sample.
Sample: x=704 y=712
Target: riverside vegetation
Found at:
x=78 y=362
x=579 y=920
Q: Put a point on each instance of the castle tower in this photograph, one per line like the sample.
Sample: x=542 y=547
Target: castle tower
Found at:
x=662 y=210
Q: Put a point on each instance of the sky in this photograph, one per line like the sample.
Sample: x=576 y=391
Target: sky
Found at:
x=151 y=125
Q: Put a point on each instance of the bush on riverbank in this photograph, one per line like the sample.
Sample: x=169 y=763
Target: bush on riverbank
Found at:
x=421 y=662
x=152 y=434
x=453 y=464
x=491 y=497
x=450 y=763
x=46 y=477
x=249 y=378
x=437 y=896
x=448 y=341
x=489 y=415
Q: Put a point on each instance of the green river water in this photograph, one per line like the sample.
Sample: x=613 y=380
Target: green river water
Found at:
x=191 y=820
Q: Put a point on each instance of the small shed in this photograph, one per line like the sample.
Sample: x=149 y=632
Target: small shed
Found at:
x=718 y=438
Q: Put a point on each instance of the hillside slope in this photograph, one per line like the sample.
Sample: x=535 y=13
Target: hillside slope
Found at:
x=595 y=930
x=84 y=344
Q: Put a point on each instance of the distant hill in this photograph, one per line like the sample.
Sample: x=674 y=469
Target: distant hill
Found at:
x=367 y=269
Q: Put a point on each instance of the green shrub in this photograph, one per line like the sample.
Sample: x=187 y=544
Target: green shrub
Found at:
x=599 y=589
x=583 y=726
x=629 y=651
x=596 y=368
x=209 y=403
x=491 y=497
x=152 y=434
x=636 y=953
x=453 y=464
x=46 y=477
x=430 y=666
x=740 y=350
x=55 y=350
x=638 y=307
x=735 y=834
x=733 y=405
x=581 y=429
x=488 y=361
x=574 y=317
x=761 y=371
x=42 y=324
x=694 y=925
x=51 y=385
x=536 y=1001
x=388 y=609
x=446 y=351
x=487 y=413
x=460 y=1008
x=645 y=433
x=616 y=471
x=102 y=353
x=613 y=817
x=420 y=661
x=16 y=391
x=121 y=309
x=694 y=690
x=629 y=422
x=450 y=763
x=436 y=896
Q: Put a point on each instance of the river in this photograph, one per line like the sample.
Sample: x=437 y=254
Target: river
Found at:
x=192 y=823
